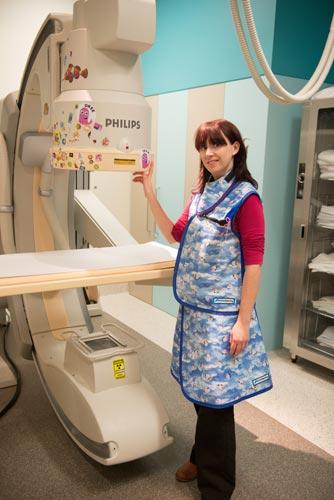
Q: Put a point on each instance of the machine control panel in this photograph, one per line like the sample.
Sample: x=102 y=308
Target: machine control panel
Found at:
x=109 y=342
x=100 y=343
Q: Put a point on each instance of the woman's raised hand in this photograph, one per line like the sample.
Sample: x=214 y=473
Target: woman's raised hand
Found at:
x=145 y=178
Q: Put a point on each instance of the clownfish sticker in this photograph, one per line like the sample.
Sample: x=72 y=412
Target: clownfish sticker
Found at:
x=74 y=72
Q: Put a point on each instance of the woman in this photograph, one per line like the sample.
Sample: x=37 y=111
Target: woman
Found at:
x=218 y=354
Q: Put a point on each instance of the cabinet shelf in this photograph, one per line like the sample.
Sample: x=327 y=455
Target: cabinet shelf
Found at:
x=312 y=343
x=317 y=226
x=312 y=309
x=314 y=346
x=319 y=272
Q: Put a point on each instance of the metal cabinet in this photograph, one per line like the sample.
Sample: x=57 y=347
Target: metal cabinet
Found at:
x=309 y=325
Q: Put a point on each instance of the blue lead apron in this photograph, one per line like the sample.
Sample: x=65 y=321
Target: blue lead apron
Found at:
x=207 y=284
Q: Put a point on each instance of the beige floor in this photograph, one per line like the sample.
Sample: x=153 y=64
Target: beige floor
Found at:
x=303 y=394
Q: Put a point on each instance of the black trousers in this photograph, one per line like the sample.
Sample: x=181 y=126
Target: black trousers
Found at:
x=214 y=452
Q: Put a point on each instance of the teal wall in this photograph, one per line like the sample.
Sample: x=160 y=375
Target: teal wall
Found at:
x=281 y=158
x=196 y=44
x=301 y=30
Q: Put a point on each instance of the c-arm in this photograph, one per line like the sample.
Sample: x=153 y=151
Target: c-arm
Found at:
x=80 y=108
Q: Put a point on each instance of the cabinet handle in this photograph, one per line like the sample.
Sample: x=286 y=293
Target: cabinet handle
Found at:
x=300 y=181
x=302 y=230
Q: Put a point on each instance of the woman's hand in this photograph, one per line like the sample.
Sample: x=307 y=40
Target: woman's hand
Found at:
x=161 y=218
x=239 y=338
x=145 y=178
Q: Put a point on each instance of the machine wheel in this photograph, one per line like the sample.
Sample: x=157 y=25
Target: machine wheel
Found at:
x=294 y=358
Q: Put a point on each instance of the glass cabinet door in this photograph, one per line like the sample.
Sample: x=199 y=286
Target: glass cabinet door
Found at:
x=317 y=321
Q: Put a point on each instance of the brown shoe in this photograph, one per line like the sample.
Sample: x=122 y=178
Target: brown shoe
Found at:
x=187 y=472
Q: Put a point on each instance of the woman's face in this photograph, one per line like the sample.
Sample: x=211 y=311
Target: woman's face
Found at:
x=218 y=158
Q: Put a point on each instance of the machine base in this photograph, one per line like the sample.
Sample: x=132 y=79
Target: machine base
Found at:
x=115 y=424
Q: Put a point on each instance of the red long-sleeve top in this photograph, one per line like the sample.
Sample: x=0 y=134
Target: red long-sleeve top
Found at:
x=248 y=223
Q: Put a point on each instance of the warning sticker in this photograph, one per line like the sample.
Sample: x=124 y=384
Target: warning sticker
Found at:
x=119 y=368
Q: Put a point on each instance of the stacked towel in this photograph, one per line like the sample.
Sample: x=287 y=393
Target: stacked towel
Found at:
x=323 y=263
x=326 y=339
x=326 y=164
x=325 y=304
x=325 y=217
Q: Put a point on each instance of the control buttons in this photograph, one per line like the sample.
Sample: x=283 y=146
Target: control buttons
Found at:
x=124 y=145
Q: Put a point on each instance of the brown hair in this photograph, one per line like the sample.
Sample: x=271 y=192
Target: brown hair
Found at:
x=216 y=132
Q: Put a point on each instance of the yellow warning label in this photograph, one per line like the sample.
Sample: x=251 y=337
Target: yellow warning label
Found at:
x=124 y=161
x=119 y=368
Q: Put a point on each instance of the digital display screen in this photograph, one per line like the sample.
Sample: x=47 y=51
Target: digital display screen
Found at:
x=101 y=343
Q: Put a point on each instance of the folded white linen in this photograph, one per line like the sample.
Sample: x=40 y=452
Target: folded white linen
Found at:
x=325 y=217
x=325 y=164
x=323 y=263
x=327 y=209
x=325 y=343
x=327 y=337
x=325 y=304
x=323 y=220
x=327 y=310
x=327 y=176
x=327 y=156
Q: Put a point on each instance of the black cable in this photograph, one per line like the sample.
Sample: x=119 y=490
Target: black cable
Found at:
x=16 y=372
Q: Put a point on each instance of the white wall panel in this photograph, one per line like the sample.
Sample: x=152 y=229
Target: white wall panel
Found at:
x=204 y=104
x=20 y=22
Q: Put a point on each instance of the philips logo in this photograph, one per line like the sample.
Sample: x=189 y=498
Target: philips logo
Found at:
x=120 y=123
x=222 y=300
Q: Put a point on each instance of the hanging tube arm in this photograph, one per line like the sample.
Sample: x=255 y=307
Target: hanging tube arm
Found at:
x=282 y=95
